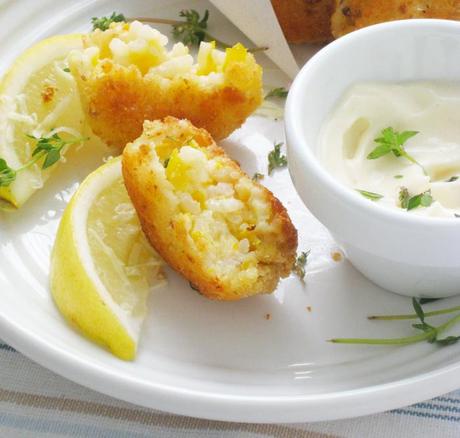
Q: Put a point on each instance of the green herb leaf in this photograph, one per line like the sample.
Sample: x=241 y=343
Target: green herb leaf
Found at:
x=50 y=148
x=418 y=309
x=300 y=264
x=370 y=195
x=166 y=162
x=67 y=69
x=422 y=200
x=450 y=340
x=193 y=31
x=7 y=174
x=277 y=92
x=257 y=176
x=379 y=151
x=392 y=141
x=452 y=179
x=426 y=199
x=51 y=157
x=275 y=159
x=428 y=300
x=405 y=135
x=422 y=327
x=426 y=328
x=103 y=23
x=398 y=176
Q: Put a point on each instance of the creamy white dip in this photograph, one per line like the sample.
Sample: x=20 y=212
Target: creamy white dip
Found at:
x=432 y=109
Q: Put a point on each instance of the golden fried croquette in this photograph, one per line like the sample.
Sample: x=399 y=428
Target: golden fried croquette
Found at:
x=354 y=14
x=228 y=235
x=305 y=21
x=126 y=75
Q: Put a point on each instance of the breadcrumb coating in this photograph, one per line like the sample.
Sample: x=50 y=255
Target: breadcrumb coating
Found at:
x=127 y=75
x=305 y=21
x=228 y=235
x=351 y=15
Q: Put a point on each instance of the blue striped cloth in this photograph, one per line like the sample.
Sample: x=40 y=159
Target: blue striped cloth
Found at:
x=36 y=403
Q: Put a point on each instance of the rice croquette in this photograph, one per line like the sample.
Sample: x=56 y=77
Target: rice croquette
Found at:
x=126 y=75
x=227 y=234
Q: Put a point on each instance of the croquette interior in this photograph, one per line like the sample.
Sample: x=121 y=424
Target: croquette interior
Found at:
x=135 y=45
x=224 y=219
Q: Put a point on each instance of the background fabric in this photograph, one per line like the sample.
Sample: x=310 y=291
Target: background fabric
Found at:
x=35 y=402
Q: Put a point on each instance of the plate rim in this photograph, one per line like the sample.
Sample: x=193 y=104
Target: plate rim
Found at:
x=225 y=407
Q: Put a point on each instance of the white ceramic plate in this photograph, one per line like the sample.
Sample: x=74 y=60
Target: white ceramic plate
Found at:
x=224 y=361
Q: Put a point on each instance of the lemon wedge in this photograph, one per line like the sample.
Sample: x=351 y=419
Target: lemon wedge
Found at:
x=102 y=267
x=38 y=94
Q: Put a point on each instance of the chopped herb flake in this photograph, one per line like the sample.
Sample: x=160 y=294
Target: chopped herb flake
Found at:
x=277 y=92
x=257 y=176
x=300 y=264
x=275 y=159
x=103 y=23
x=409 y=203
x=370 y=195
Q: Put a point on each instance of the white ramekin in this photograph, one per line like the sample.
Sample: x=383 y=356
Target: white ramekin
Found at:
x=407 y=254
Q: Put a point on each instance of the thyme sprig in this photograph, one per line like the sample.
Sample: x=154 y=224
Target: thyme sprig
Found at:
x=47 y=148
x=191 y=30
x=391 y=141
x=429 y=333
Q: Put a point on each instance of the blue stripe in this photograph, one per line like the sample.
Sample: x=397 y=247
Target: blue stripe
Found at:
x=448 y=399
x=6 y=347
x=62 y=427
x=437 y=407
x=426 y=415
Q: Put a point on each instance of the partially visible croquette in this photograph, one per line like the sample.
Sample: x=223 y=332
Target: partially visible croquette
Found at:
x=127 y=75
x=228 y=235
x=305 y=21
x=351 y=15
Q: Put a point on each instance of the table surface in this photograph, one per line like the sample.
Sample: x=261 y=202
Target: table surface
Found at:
x=36 y=403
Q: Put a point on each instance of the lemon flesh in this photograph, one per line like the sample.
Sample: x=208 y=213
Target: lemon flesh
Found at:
x=38 y=94
x=102 y=268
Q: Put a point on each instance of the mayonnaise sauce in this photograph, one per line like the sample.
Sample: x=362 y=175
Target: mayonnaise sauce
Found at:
x=433 y=109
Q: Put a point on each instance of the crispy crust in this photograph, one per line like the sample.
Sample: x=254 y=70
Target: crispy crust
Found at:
x=171 y=239
x=351 y=15
x=118 y=99
x=305 y=21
